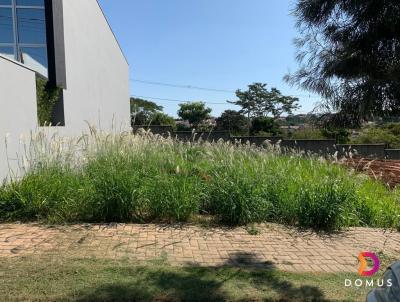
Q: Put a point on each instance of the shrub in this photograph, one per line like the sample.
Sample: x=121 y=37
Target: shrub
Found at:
x=160 y=118
x=324 y=205
x=388 y=134
x=183 y=128
x=341 y=135
x=265 y=125
x=394 y=128
x=114 y=178
x=52 y=193
x=47 y=97
x=307 y=133
x=171 y=197
x=239 y=196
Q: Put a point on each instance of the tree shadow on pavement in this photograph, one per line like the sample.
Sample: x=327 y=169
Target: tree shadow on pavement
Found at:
x=192 y=283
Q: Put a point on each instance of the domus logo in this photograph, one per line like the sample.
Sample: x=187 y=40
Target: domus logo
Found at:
x=369 y=266
x=364 y=264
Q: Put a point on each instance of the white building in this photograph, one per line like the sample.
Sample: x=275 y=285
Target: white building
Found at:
x=70 y=43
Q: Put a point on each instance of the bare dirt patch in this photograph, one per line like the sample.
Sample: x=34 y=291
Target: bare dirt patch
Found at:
x=387 y=171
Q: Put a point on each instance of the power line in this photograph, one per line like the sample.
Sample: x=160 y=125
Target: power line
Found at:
x=203 y=88
x=182 y=86
x=174 y=100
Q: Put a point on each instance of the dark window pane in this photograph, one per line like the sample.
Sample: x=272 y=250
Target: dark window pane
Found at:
x=6 y=26
x=31 y=26
x=35 y=58
x=7 y=52
x=5 y=2
x=30 y=2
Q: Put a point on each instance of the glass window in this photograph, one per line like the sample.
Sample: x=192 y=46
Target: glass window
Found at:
x=28 y=44
x=6 y=26
x=31 y=26
x=7 y=51
x=35 y=58
x=30 y=3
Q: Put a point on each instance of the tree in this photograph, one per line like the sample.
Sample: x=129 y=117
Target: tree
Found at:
x=349 y=53
x=282 y=104
x=138 y=104
x=264 y=125
x=146 y=113
x=143 y=110
x=195 y=113
x=257 y=101
x=162 y=119
x=232 y=121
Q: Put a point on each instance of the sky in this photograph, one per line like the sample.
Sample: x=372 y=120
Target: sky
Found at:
x=218 y=44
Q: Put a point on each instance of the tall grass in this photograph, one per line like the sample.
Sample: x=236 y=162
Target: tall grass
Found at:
x=103 y=177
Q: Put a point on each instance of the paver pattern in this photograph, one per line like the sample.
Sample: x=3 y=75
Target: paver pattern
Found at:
x=285 y=248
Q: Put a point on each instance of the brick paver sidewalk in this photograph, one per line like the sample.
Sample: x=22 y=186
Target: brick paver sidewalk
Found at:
x=286 y=248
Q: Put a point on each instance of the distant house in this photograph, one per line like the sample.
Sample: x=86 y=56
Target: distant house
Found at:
x=290 y=127
x=70 y=44
x=211 y=122
x=182 y=122
x=294 y=127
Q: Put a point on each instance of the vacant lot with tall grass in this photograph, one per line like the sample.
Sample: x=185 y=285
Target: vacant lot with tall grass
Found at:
x=102 y=177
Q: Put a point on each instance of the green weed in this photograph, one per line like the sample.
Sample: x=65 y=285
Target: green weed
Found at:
x=102 y=177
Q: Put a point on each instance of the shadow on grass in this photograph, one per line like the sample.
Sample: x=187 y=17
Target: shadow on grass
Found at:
x=191 y=283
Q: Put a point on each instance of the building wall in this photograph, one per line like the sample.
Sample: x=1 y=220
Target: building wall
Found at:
x=97 y=72
x=18 y=113
x=97 y=83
